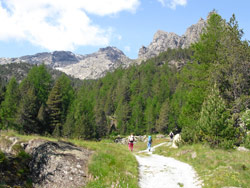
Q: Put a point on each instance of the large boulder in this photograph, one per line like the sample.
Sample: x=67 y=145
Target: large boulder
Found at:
x=52 y=164
x=57 y=164
x=176 y=140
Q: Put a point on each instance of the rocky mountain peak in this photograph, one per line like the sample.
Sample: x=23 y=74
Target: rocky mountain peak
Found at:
x=91 y=66
x=192 y=33
x=163 y=40
x=96 y=65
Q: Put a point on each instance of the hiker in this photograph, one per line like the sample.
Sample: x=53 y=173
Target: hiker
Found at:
x=171 y=135
x=149 y=142
x=131 y=140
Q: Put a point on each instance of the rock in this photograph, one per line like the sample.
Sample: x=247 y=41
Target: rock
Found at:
x=58 y=164
x=163 y=40
x=91 y=66
x=243 y=149
x=192 y=33
x=193 y=155
x=10 y=145
x=160 y=136
x=96 y=65
x=52 y=164
x=176 y=140
x=177 y=64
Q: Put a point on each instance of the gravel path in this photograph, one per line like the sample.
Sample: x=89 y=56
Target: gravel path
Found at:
x=165 y=172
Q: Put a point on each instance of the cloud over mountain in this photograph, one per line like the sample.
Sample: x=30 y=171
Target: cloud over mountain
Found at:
x=59 y=24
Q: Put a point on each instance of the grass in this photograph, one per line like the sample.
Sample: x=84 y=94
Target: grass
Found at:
x=143 y=145
x=111 y=166
x=216 y=167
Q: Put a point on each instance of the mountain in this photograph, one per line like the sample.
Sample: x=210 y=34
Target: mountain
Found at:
x=52 y=59
x=20 y=71
x=96 y=65
x=90 y=66
x=163 y=40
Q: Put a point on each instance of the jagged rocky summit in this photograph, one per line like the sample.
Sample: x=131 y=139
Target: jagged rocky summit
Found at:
x=163 y=40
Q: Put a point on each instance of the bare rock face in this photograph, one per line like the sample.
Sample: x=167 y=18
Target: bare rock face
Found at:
x=96 y=65
x=52 y=164
x=57 y=164
x=51 y=59
x=163 y=40
x=192 y=33
x=91 y=66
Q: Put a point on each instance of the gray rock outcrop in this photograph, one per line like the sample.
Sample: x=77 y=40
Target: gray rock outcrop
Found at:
x=58 y=164
x=53 y=164
x=96 y=65
x=163 y=40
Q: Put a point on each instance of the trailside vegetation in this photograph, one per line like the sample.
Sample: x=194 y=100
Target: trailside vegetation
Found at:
x=205 y=97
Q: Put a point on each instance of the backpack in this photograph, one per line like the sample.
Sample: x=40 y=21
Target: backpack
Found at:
x=150 y=139
x=131 y=139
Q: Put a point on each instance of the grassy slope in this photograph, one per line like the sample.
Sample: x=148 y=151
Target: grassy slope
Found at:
x=216 y=167
x=111 y=166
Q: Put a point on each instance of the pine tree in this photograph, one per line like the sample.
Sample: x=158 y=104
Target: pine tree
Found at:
x=214 y=122
x=43 y=120
x=101 y=122
x=54 y=108
x=27 y=113
x=80 y=121
x=232 y=73
x=67 y=94
x=69 y=125
x=40 y=79
x=136 y=122
x=84 y=120
x=162 y=123
x=10 y=105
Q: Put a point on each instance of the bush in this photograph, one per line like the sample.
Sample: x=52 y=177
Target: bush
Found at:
x=247 y=141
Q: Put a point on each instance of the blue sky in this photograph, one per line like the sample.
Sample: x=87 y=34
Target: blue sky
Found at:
x=84 y=26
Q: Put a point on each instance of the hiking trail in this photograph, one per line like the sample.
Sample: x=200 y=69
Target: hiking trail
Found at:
x=165 y=172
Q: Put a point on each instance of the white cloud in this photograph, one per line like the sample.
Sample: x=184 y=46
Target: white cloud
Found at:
x=173 y=3
x=59 y=24
x=127 y=48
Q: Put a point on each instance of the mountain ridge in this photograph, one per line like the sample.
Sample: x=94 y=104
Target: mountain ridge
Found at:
x=163 y=40
x=97 y=64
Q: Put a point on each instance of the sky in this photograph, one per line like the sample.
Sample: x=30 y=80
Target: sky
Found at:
x=84 y=26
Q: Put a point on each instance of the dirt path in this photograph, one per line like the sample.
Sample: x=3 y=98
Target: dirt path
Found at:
x=165 y=172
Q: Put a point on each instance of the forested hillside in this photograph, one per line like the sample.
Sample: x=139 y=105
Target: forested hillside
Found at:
x=206 y=98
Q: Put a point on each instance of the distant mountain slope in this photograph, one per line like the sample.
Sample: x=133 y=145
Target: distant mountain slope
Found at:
x=163 y=40
x=96 y=65
x=90 y=66
x=52 y=59
x=20 y=71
